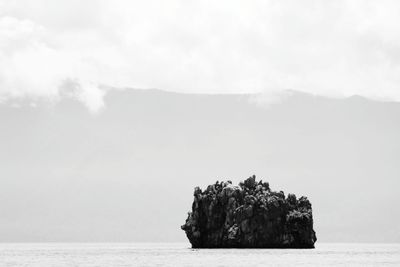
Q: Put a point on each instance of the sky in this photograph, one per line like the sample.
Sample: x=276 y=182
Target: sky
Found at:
x=83 y=49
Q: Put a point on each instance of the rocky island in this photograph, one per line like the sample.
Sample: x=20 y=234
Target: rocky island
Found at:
x=249 y=215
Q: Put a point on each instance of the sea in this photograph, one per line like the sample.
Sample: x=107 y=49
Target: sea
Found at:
x=180 y=254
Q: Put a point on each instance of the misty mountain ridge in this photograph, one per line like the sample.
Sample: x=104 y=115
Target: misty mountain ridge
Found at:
x=69 y=175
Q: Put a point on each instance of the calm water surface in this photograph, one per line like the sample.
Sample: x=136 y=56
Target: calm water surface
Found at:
x=178 y=254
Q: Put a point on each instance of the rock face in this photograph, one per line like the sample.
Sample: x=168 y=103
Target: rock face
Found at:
x=248 y=216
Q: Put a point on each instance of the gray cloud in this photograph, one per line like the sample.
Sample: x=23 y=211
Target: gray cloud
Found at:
x=337 y=48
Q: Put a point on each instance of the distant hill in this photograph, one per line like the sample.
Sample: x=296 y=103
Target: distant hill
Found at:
x=128 y=172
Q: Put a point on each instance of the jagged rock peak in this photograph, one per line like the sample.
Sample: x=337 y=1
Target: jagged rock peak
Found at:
x=248 y=215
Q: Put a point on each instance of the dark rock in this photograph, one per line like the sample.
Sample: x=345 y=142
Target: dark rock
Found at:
x=248 y=216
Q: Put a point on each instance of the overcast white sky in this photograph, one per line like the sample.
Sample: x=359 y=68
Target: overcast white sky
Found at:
x=329 y=48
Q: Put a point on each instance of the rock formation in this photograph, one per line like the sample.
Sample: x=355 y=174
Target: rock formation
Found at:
x=248 y=216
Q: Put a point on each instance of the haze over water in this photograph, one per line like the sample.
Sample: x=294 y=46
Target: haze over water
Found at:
x=180 y=254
